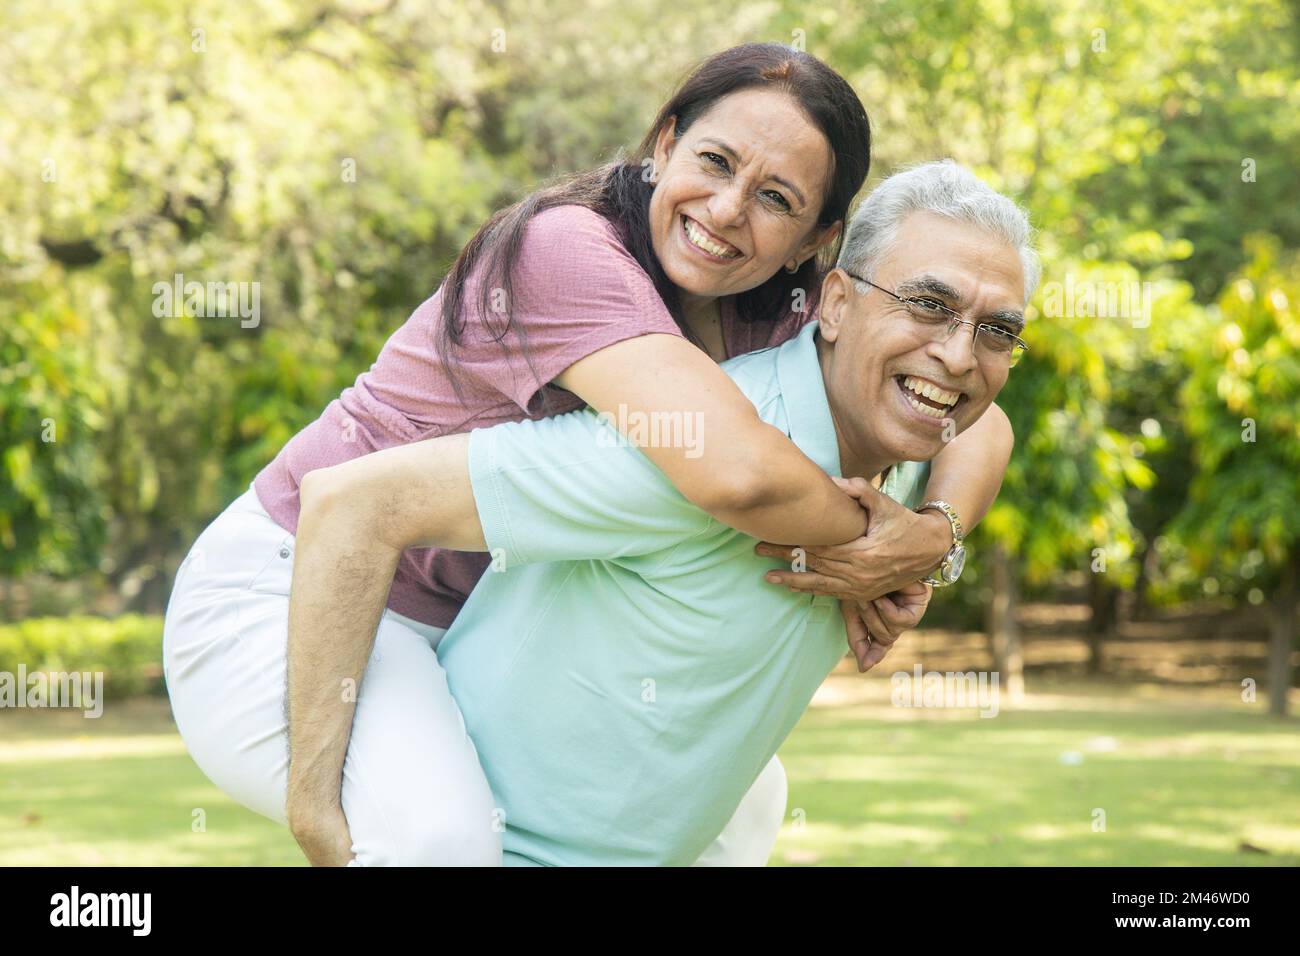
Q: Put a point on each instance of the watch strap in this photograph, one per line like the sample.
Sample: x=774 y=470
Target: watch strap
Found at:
x=948 y=511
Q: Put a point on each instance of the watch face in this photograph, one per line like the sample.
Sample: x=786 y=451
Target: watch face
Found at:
x=953 y=571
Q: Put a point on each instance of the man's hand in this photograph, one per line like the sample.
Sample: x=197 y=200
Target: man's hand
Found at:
x=899 y=548
x=321 y=832
x=875 y=626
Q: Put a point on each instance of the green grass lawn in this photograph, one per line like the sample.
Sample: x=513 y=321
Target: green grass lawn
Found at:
x=1188 y=777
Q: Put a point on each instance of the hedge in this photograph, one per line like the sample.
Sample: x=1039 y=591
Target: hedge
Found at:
x=127 y=649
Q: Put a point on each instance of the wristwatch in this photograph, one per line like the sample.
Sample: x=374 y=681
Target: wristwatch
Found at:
x=949 y=570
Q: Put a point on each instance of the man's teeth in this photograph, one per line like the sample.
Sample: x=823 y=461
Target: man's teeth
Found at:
x=932 y=392
x=708 y=245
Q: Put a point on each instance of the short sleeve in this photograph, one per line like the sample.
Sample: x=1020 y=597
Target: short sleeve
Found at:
x=576 y=290
x=570 y=488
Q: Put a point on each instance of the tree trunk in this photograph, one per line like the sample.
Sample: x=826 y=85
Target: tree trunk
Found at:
x=6 y=600
x=1104 y=600
x=1004 y=635
x=1283 y=620
x=1146 y=571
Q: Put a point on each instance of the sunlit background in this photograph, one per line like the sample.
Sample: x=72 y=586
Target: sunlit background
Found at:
x=1135 y=587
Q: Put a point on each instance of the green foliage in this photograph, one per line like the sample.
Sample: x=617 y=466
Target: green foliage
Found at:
x=51 y=407
x=127 y=649
x=340 y=155
x=1242 y=409
x=1063 y=505
x=337 y=158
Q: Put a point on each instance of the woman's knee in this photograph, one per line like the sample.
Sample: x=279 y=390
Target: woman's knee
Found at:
x=767 y=799
x=456 y=840
x=774 y=788
x=413 y=790
x=463 y=834
x=751 y=833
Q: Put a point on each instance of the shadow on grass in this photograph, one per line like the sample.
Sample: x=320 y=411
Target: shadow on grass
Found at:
x=1176 y=782
x=120 y=793
x=1064 y=787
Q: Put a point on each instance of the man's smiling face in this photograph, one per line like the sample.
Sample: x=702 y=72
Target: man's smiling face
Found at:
x=878 y=362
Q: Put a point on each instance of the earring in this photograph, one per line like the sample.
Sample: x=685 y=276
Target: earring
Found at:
x=794 y=268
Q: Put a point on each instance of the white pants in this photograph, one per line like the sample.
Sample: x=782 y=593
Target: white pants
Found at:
x=414 y=793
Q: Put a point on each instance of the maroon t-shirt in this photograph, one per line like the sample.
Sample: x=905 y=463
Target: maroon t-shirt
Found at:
x=577 y=290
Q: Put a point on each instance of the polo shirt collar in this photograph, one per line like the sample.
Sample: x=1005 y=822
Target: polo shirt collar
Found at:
x=807 y=409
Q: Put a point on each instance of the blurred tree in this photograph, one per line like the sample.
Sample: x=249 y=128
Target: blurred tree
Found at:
x=1125 y=128
x=51 y=408
x=1242 y=399
x=338 y=155
x=1063 y=503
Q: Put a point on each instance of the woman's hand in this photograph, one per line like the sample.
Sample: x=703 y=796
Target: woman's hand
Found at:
x=899 y=548
x=321 y=832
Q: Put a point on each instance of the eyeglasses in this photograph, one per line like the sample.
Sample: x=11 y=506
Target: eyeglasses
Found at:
x=992 y=344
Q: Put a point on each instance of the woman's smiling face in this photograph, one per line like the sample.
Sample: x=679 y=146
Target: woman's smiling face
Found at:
x=738 y=194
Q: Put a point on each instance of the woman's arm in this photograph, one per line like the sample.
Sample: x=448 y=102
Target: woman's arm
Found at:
x=902 y=546
x=968 y=472
x=357 y=516
x=725 y=460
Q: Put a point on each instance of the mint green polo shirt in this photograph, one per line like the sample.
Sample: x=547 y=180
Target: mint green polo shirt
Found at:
x=629 y=673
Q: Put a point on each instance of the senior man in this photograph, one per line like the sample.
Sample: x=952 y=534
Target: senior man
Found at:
x=626 y=676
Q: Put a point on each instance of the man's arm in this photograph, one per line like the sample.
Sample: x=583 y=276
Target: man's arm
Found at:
x=555 y=489
x=356 y=520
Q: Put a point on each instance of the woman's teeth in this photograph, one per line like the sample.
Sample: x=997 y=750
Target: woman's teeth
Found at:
x=699 y=238
x=934 y=393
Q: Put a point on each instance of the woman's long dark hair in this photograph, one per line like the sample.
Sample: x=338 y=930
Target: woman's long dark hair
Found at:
x=619 y=192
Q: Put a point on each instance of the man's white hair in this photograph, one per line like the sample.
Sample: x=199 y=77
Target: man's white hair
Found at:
x=948 y=189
